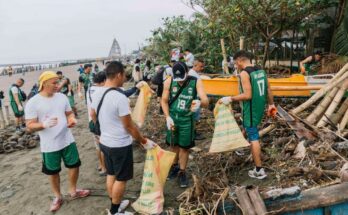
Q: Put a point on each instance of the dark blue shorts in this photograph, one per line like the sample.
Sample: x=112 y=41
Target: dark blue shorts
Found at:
x=252 y=133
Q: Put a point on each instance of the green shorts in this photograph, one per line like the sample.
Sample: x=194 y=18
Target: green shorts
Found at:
x=71 y=101
x=16 y=112
x=51 y=160
x=184 y=133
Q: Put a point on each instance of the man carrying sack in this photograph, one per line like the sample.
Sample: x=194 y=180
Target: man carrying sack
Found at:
x=179 y=103
x=254 y=91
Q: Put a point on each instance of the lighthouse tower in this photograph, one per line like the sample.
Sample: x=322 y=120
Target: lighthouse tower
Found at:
x=115 y=51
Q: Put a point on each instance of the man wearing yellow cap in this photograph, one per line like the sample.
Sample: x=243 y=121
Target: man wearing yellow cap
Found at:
x=50 y=114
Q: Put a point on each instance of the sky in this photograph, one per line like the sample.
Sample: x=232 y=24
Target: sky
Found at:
x=45 y=30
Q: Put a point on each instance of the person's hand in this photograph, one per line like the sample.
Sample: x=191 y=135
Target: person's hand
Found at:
x=80 y=95
x=72 y=122
x=272 y=111
x=20 y=108
x=303 y=70
x=149 y=144
x=69 y=93
x=196 y=104
x=225 y=100
x=140 y=84
x=50 y=122
x=170 y=123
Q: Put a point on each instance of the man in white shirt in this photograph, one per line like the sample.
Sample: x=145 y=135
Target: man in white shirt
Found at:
x=117 y=133
x=137 y=74
x=189 y=58
x=50 y=114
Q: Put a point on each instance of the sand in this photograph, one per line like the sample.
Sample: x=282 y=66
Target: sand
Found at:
x=25 y=190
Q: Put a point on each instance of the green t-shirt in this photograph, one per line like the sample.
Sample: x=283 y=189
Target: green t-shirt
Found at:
x=182 y=105
x=20 y=97
x=253 y=110
x=65 y=88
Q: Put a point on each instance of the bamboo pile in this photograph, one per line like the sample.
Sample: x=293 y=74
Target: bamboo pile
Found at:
x=332 y=110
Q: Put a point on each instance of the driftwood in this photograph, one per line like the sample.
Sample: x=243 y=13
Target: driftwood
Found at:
x=295 y=88
x=344 y=121
x=339 y=114
x=244 y=201
x=266 y=130
x=335 y=81
x=281 y=192
x=257 y=201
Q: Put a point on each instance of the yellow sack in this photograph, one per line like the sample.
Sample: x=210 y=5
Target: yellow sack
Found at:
x=157 y=166
x=227 y=135
x=139 y=111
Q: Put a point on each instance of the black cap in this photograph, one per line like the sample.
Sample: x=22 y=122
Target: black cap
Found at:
x=180 y=71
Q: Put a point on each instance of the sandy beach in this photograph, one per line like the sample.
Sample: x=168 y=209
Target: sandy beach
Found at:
x=25 y=190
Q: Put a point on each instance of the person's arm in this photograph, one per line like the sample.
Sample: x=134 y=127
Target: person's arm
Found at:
x=93 y=115
x=61 y=85
x=302 y=63
x=16 y=98
x=79 y=86
x=247 y=93
x=165 y=97
x=33 y=125
x=132 y=129
x=201 y=94
x=130 y=91
x=69 y=89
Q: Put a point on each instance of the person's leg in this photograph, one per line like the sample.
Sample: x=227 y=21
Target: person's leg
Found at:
x=118 y=189
x=73 y=177
x=183 y=158
x=256 y=153
x=110 y=180
x=55 y=185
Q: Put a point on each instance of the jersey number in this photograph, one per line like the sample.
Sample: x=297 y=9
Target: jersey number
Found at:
x=261 y=84
x=182 y=104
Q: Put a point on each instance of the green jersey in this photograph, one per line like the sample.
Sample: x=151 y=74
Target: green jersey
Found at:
x=20 y=96
x=182 y=105
x=253 y=109
x=86 y=79
x=65 y=88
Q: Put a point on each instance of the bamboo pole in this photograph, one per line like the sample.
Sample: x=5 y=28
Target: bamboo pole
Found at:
x=7 y=112
x=343 y=122
x=222 y=41
x=335 y=102
x=295 y=88
x=339 y=77
x=339 y=114
x=241 y=43
x=244 y=201
x=257 y=201
x=320 y=109
x=2 y=119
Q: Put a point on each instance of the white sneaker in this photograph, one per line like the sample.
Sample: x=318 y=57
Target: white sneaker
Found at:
x=124 y=213
x=257 y=174
x=124 y=204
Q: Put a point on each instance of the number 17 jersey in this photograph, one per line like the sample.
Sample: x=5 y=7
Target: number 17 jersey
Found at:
x=253 y=110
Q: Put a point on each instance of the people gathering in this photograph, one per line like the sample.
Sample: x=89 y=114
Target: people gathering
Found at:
x=51 y=111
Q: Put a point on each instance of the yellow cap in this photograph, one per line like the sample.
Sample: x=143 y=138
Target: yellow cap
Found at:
x=46 y=76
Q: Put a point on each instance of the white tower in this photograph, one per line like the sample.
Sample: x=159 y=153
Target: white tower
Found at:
x=115 y=51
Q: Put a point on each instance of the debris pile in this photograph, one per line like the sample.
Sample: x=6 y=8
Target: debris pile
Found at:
x=11 y=141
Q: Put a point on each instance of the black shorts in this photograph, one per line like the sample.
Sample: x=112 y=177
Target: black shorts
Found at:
x=118 y=161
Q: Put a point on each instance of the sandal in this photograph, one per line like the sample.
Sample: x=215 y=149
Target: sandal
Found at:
x=79 y=194
x=56 y=204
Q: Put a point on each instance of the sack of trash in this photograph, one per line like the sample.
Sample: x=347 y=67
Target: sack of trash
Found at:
x=140 y=109
x=156 y=169
x=227 y=134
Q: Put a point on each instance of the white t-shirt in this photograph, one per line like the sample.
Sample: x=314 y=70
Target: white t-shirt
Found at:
x=189 y=58
x=91 y=90
x=14 y=90
x=193 y=73
x=39 y=107
x=115 y=106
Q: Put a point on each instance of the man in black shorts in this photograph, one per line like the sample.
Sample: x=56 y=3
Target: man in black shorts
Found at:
x=117 y=130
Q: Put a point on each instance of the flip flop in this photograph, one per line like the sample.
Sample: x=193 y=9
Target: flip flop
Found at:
x=56 y=204
x=79 y=194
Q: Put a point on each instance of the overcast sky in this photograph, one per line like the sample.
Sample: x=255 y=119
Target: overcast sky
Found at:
x=41 y=30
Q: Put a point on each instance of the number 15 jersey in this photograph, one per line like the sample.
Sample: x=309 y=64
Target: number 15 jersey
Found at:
x=253 y=110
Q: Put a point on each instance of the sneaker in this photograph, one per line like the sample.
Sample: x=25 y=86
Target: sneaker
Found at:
x=124 y=204
x=183 y=181
x=124 y=213
x=174 y=170
x=56 y=203
x=257 y=174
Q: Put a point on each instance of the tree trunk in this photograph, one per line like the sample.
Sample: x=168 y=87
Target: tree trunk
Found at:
x=265 y=53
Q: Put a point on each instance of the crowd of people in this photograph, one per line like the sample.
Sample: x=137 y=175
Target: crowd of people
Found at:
x=51 y=112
